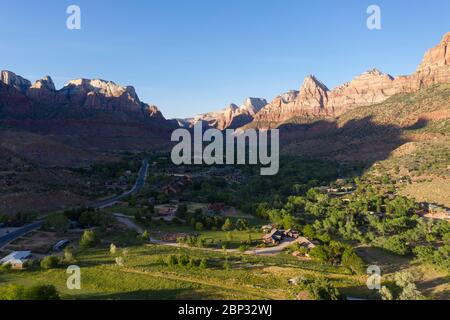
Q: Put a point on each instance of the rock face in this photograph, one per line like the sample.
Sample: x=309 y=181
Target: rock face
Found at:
x=11 y=79
x=79 y=95
x=232 y=117
x=315 y=100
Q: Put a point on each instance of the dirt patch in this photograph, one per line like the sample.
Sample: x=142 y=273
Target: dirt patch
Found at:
x=41 y=242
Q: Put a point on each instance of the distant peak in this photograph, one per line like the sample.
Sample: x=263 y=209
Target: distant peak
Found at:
x=374 y=73
x=11 y=79
x=312 y=82
x=446 y=38
x=45 y=82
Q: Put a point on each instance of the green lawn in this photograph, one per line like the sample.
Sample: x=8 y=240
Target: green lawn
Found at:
x=146 y=276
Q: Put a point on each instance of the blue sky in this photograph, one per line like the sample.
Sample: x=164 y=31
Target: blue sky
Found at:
x=193 y=56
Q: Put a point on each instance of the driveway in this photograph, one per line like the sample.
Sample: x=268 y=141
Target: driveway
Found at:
x=274 y=250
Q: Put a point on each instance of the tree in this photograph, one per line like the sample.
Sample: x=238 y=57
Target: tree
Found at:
x=228 y=225
x=145 y=236
x=397 y=245
x=68 y=255
x=112 y=249
x=242 y=224
x=49 y=262
x=352 y=261
x=322 y=289
x=89 y=239
x=405 y=280
x=18 y=292
x=203 y=263
x=172 y=260
x=386 y=294
x=198 y=226
x=120 y=261
x=308 y=232
x=42 y=292
x=58 y=222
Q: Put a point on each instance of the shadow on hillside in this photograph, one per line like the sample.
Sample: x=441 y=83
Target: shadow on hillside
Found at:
x=162 y=294
x=360 y=140
x=427 y=287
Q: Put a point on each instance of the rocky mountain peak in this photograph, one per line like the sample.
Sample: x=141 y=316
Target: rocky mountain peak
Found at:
x=45 y=83
x=312 y=83
x=436 y=57
x=106 y=88
x=11 y=79
x=289 y=96
x=253 y=105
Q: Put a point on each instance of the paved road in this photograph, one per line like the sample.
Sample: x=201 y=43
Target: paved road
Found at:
x=142 y=176
x=129 y=222
x=13 y=235
x=140 y=182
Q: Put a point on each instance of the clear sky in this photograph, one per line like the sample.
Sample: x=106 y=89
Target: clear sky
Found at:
x=193 y=56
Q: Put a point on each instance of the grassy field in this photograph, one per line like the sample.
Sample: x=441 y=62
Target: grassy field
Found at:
x=146 y=276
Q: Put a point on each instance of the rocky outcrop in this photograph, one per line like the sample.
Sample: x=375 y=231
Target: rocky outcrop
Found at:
x=77 y=96
x=11 y=79
x=314 y=100
x=43 y=91
x=231 y=117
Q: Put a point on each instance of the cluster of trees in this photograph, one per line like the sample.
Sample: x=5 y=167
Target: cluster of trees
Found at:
x=319 y=288
x=439 y=257
x=338 y=253
x=200 y=221
x=369 y=216
x=110 y=170
x=402 y=288
x=193 y=241
x=145 y=216
x=18 y=292
x=84 y=217
x=89 y=239
x=186 y=262
x=18 y=219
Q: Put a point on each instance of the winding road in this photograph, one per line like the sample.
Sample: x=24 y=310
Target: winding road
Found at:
x=140 y=182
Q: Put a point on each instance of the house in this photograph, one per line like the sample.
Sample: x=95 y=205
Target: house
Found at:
x=267 y=228
x=60 y=245
x=274 y=237
x=16 y=259
x=169 y=190
x=292 y=234
x=216 y=207
x=304 y=242
x=167 y=210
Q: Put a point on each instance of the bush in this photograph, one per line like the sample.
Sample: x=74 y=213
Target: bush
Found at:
x=397 y=245
x=49 y=262
x=322 y=289
x=352 y=261
x=183 y=260
x=43 y=292
x=172 y=260
x=228 y=225
x=16 y=292
x=89 y=239
x=203 y=264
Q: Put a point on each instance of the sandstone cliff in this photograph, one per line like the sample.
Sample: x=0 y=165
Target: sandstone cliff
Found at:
x=315 y=100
